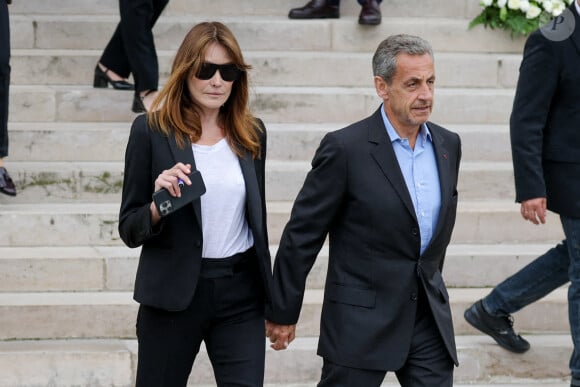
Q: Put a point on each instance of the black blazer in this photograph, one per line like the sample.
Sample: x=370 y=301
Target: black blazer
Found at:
x=545 y=121
x=357 y=194
x=170 y=258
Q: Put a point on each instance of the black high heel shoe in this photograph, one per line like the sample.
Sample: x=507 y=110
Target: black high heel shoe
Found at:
x=6 y=184
x=138 y=106
x=102 y=80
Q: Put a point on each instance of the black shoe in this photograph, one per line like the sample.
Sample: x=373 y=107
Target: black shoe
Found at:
x=370 y=13
x=315 y=9
x=138 y=106
x=500 y=328
x=102 y=80
x=6 y=184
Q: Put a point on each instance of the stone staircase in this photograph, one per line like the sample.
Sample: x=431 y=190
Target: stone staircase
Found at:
x=66 y=311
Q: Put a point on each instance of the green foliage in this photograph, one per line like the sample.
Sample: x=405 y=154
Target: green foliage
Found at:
x=503 y=18
x=515 y=20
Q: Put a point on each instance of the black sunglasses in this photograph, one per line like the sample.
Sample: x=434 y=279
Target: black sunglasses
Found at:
x=229 y=72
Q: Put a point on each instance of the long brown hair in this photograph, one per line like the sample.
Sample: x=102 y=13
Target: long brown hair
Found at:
x=176 y=113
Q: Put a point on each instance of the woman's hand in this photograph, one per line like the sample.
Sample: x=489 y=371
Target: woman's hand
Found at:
x=170 y=179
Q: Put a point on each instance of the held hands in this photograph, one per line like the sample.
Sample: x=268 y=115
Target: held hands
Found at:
x=534 y=210
x=280 y=335
x=170 y=179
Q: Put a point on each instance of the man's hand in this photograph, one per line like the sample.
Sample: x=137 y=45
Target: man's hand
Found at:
x=534 y=210
x=280 y=335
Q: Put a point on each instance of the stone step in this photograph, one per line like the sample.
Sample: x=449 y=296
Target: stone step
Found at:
x=112 y=362
x=276 y=68
x=95 y=224
x=299 y=141
x=113 y=268
x=85 y=224
x=549 y=314
x=495 y=263
x=477 y=180
x=70 y=181
x=479 y=222
x=69 y=315
x=272 y=104
x=69 y=268
x=104 y=141
x=446 y=34
x=67 y=182
x=89 y=141
x=396 y=8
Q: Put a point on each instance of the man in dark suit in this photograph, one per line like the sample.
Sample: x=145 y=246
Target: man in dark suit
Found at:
x=384 y=190
x=545 y=137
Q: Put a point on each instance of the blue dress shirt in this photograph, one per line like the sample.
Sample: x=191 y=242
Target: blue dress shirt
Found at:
x=419 y=168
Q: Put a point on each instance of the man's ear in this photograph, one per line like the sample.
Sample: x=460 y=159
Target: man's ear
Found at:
x=381 y=87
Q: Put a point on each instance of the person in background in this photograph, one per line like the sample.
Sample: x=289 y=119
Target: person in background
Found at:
x=204 y=271
x=6 y=184
x=131 y=50
x=370 y=13
x=545 y=140
x=384 y=190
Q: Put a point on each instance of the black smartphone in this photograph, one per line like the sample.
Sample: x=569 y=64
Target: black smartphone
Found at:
x=167 y=204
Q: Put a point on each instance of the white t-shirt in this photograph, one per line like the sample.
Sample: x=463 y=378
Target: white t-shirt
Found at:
x=223 y=206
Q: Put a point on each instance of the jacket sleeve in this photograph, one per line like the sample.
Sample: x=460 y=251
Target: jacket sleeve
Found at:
x=135 y=225
x=311 y=218
x=537 y=84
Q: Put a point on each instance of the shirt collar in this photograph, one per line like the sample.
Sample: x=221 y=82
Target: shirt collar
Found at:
x=424 y=133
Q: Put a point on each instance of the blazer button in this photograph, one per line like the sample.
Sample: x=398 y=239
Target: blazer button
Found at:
x=197 y=243
x=413 y=296
x=415 y=231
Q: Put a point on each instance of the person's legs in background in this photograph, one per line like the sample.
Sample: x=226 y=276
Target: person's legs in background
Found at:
x=137 y=20
x=492 y=314
x=329 y=9
x=6 y=184
x=370 y=13
x=534 y=281
x=131 y=50
x=113 y=66
x=572 y=231
x=317 y=9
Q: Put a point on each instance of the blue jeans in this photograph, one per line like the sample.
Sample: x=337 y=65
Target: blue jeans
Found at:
x=546 y=273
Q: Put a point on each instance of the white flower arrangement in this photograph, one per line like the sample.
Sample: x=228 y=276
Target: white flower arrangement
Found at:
x=520 y=17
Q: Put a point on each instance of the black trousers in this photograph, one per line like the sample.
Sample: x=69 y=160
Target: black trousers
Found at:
x=132 y=47
x=428 y=363
x=227 y=313
x=4 y=77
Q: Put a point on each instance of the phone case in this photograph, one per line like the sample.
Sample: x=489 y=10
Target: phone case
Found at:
x=167 y=204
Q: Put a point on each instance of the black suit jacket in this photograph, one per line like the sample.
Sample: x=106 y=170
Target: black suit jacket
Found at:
x=545 y=121
x=170 y=258
x=356 y=193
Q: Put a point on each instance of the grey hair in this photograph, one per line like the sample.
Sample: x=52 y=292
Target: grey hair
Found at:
x=385 y=57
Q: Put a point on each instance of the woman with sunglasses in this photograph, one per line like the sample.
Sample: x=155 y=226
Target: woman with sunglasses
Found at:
x=204 y=269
